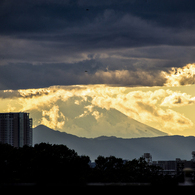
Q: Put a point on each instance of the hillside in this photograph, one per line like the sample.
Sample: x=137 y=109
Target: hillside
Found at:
x=161 y=148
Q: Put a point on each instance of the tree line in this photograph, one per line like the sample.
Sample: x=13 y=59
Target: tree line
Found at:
x=45 y=163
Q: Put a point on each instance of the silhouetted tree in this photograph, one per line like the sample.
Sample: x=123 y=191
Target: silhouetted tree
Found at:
x=46 y=163
x=112 y=169
x=43 y=163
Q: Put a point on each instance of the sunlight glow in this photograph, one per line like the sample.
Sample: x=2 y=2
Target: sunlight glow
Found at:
x=180 y=76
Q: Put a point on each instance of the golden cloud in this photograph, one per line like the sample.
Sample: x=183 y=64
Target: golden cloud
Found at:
x=56 y=119
x=147 y=107
x=180 y=76
x=177 y=99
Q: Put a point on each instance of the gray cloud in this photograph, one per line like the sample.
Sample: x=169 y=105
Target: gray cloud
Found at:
x=46 y=43
x=19 y=77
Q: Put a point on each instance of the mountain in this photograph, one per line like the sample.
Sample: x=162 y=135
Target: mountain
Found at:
x=83 y=119
x=96 y=121
x=161 y=148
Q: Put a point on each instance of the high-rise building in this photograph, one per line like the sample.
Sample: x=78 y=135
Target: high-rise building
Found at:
x=148 y=157
x=16 y=129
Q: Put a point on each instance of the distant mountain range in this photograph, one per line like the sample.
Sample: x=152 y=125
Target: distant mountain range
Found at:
x=161 y=148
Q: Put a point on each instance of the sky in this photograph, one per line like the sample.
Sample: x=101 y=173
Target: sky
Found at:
x=68 y=59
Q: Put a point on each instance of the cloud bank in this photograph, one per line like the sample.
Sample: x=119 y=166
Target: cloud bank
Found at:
x=50 y=75
x=64 y=107
x=45 y=43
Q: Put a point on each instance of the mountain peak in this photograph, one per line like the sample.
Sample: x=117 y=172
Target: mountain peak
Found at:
x=101 y=122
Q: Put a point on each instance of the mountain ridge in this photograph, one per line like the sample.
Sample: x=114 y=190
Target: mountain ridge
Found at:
x=161 y=148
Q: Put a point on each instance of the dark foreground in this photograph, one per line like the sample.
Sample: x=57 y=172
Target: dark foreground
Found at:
x=56 y=166
x=103 y=189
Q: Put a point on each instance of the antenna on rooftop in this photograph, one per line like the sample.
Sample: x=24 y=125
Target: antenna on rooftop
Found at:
x=193 y=155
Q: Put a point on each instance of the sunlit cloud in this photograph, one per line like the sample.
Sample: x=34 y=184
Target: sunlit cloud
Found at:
x=145 y=107
x=180 y=76
x=53 y=106
x=129 y=77
x=53 y=118
x=153 y=108
x=177 y=99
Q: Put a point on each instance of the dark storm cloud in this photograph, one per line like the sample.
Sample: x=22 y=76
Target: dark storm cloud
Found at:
x=47 y=42
x=41 y=15
x=33 y=76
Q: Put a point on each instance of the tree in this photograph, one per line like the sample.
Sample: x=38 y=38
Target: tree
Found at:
x=43 y=163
